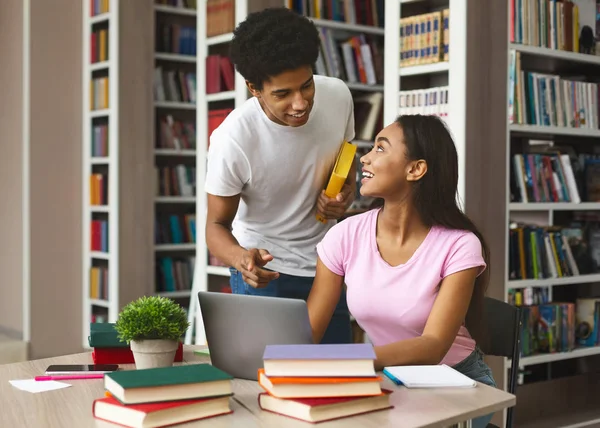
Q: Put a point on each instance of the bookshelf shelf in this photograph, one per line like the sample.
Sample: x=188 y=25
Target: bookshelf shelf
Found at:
x=174 y=247
x=175 y=199
x=100 y=303
x=100 y=160
x=175 y=10
x=174 y=105
x=555 y=54
x=553 y=282
x=219 y=40
x=99 y=66
x=103 y=17
x=218 y=270
x=557 y=206
x=555 y=130
x=557 y=356
x=420 y=70
x=336 y=25
x=364 y=87
x=99 y=208
x=221 y=96
x=99 y=113
x=162 y=56
x=100 y=256
x=173 y=152
x=175 y=294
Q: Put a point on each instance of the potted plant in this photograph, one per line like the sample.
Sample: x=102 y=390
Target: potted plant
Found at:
x=153 y=327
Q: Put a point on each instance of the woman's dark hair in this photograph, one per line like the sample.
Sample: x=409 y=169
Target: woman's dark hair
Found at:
x=272 y=41
x=435 y=197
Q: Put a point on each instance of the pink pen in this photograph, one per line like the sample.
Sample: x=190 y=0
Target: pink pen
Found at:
x=91 y=376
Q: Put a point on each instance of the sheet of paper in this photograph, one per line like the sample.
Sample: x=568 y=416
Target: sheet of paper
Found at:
x=31 y=385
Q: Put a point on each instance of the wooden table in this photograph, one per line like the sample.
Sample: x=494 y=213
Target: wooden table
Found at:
x=72 y=406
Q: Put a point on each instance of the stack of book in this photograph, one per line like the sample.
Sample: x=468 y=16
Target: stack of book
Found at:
x=164 y=396
x=107 y=348
x=316 y=383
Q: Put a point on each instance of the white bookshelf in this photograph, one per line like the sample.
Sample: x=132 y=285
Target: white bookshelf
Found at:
x=106 y=164
x=127 y=163
x=563 y=63
x=168 y=157
x=451 y=73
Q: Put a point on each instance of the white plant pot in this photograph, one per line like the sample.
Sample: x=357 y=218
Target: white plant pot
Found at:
x=153 y=353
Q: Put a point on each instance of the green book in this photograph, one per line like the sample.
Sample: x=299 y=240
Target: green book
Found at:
x=182 y=382
x=104 y=335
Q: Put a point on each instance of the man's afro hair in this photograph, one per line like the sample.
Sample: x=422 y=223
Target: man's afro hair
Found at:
x=272 y=41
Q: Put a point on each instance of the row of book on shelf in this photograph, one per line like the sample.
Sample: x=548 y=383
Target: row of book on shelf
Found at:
x=549 y=23
x=176 y=134
x=552 y=327
x=546 y=171
x=99 y=235
x=98 y=189
x=174 y=85
x=99 y=93
x=425 y=38
x=99 y=45
x=98 y=283
x=175 y=228
x=220 y=17
x=98 y=7
x=354 y=12
x=99 y=146
x=176 y=180
x=357 y=59
x=176 y=39
x=546 y=252
x=430 y=101
x=220 y=75
x=551 y=100
x=174 y=273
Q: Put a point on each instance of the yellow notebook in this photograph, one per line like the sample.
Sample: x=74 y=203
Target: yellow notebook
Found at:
x=340 y=172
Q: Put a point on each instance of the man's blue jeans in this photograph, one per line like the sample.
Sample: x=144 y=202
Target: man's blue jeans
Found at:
x=298 y=287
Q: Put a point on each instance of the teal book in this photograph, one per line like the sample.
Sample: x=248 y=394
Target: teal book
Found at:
x=104 y=335
x=184 y=382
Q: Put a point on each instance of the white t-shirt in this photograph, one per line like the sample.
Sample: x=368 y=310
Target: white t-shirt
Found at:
x=279 y=172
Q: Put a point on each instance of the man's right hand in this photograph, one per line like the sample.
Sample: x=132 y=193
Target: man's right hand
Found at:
x=251 y=265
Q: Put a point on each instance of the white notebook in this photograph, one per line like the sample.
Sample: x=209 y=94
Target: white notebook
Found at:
x=434 y=376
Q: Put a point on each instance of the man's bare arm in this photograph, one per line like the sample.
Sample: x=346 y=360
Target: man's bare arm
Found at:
x=222 y=244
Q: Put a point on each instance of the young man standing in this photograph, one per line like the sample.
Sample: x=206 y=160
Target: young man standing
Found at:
x=270 y=160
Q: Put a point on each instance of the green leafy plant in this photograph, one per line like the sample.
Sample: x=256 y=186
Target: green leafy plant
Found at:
x=151 y=317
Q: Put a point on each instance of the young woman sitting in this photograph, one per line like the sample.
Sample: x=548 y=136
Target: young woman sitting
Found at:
x=415 y=268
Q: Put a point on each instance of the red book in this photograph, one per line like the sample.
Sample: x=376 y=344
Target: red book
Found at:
x=160 y=414
x=316 y=410
x=124 y=355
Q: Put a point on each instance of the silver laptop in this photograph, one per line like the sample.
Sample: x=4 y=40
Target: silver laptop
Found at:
x=239 y=326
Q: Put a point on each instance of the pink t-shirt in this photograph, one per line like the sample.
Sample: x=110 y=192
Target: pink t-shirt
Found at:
x=393 y=303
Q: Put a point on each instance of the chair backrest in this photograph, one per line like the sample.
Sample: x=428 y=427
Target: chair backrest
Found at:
x=503 y=326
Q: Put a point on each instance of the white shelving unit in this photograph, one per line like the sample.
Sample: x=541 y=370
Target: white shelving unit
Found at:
x=126 y=166
x=564 y=63
x=451 y=73
x=91 y=164
x=170 y=15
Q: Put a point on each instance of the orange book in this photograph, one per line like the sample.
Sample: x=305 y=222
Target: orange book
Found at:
x=314 y=387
